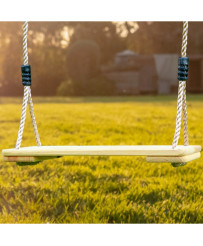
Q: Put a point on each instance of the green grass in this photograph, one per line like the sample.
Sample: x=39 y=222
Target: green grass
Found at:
x=101 y=189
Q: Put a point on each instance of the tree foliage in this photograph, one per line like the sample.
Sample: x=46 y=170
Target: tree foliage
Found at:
x=83 y=60
x=156 y=37
x=102 y=33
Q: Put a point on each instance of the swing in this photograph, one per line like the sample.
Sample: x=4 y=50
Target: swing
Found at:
x=176 y=154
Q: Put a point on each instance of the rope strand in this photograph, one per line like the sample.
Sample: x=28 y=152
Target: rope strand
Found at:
x=27 y=98
x=181 y=102
x=23 y=117
x=34 y=124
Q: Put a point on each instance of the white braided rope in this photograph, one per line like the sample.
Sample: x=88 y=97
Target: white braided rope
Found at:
x=23 y=117
x=34 y=124
x=25 y=52
x=27 y=98
x=184 y=52
x=185 y=121
x=181 y=102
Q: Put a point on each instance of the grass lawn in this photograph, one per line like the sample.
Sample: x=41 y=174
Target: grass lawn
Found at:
x=101 y=189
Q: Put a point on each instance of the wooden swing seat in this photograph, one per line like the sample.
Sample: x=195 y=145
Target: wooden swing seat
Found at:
x=153 y=153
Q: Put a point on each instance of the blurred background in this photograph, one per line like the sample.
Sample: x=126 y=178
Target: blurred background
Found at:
x=99 y=58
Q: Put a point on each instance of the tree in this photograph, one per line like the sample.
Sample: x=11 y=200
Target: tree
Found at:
x=83 y=62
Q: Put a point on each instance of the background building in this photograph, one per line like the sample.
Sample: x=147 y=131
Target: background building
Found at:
x=152 y=74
